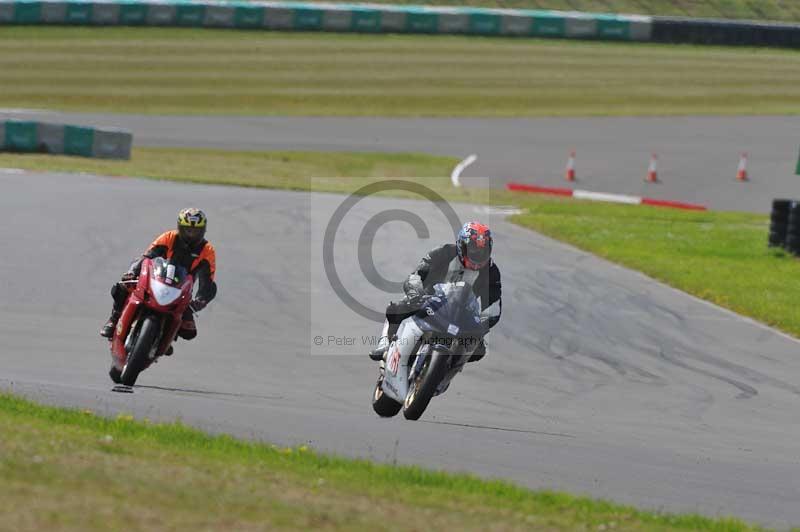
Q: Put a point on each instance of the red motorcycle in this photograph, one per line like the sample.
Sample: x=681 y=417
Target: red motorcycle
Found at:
x=150 y=319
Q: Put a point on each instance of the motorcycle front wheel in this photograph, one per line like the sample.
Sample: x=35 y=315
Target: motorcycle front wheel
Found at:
x=422 y=389
x=138 y=359
x=384 y=405
x=115 y=374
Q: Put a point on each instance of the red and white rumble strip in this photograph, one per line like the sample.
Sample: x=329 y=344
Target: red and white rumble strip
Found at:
x=601 y=196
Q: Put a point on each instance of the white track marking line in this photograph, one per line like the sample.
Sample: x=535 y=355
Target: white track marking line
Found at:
x=603 y=196
x=455 y=175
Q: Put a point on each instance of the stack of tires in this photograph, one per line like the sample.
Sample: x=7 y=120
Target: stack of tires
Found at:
x=779 y=222
x=793 y=229
x=784 y=226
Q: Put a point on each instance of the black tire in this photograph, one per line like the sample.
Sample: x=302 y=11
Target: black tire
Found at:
x=779 y=226
x=115 y=374
x=384 y=405
x=792 y=242
x=421 y=391
x=776 y=240
x=138 y=360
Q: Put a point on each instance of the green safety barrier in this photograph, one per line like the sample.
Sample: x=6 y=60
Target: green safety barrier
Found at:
x=367 y=20
x=302 y=16
x=61 y=139
x=78 y=140
x=797 y=171
x=21 y=136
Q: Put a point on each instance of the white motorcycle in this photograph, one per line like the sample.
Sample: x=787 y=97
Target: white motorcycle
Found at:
x=431 y=347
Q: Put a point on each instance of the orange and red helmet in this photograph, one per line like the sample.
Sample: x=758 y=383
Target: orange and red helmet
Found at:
x=474 y=245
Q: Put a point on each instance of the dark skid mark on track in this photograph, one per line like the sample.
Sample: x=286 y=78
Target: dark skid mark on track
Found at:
x=209 y=392
x=500 y=429
x=746 y=391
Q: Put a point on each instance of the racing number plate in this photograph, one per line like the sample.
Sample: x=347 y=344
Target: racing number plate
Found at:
x=394 y=361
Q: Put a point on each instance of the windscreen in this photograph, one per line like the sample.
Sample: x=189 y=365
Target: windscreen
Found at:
x=453 y=310
x=459 y=293
x=167 y=272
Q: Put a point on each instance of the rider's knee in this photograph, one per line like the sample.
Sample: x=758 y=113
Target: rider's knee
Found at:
x=187 y=335
x=188 y=330
x=479 y=353
x=119 y=293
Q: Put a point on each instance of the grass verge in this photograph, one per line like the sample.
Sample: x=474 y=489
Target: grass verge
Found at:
x=721 y=257
x=205 y=71
x=293 y=170
x=71 y=470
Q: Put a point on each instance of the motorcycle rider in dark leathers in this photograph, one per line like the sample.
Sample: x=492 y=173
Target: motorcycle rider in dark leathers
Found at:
x=469 y=259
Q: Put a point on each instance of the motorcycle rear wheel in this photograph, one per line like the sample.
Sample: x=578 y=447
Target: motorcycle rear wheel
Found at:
x=422 y=389
x=138 y=360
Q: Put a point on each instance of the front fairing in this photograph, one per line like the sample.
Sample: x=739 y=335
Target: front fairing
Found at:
x=168 y=288
x=452 y=311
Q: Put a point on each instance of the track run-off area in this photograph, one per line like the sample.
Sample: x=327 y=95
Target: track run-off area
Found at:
x=698 y=156
x=598 y=380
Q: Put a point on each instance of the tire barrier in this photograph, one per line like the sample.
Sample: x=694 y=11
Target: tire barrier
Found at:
x=793 y=229
x=725 y=32
x=297 y=16
x=61 y=139
x=779 y=222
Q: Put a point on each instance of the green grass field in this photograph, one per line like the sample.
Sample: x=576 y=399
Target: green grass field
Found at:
x=186 y=71
x=291 y=170
x=72 y=470
x=787 y=10
x=718 y=256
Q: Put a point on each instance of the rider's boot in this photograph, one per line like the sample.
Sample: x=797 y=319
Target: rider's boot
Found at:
x=108 y=329
x=379 y=352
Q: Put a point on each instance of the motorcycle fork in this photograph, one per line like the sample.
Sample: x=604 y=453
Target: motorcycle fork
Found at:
x=420 y=354
x=133 y=333
x=169 y=333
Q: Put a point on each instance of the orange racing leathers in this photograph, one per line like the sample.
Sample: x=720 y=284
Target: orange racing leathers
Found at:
x=200 y=261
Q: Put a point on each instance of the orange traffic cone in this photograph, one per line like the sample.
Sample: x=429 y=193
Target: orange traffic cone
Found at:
x=569 y=174
x=741 y=172
x=652 y=170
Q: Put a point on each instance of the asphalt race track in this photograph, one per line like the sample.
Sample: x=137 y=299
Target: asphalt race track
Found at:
x=598 y=380
x=698 y=156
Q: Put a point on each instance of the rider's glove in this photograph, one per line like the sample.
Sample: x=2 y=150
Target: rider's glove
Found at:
x=198 y=304
x=413 y=284
x=413 y=296
x=128 y=276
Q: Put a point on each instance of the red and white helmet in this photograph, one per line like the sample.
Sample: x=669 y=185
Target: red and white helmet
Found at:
x=474 y=244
